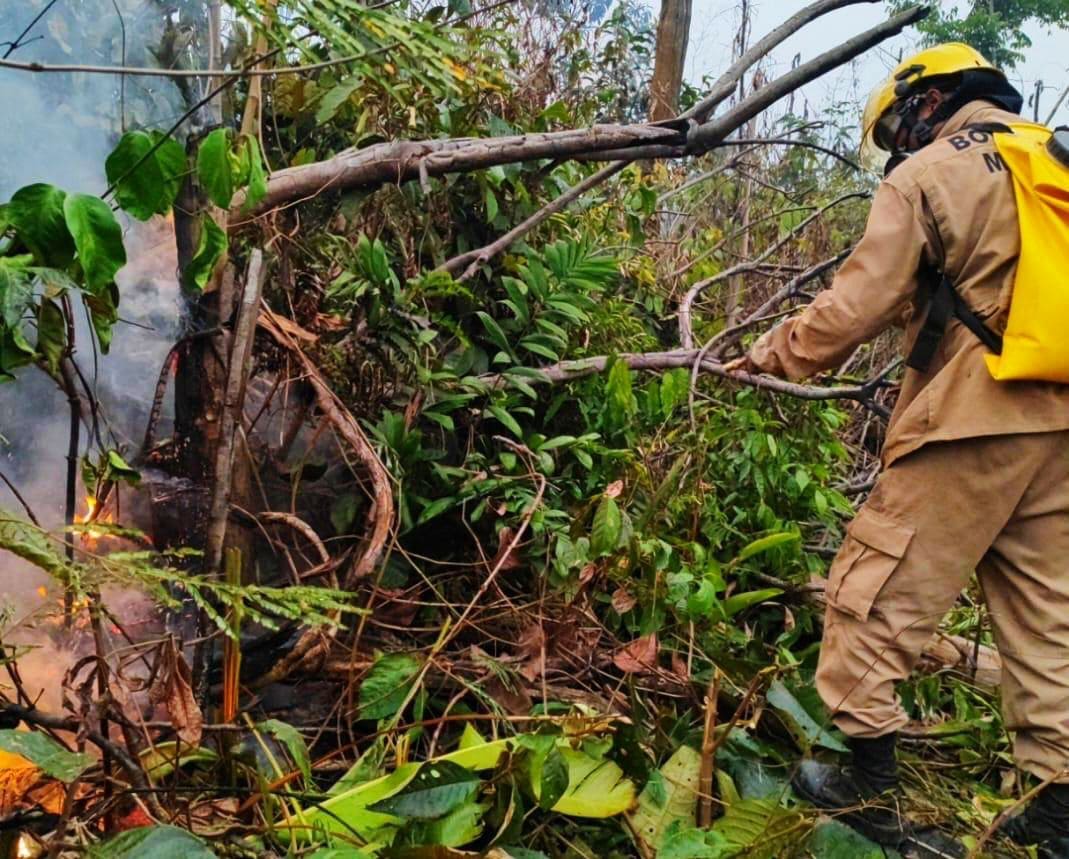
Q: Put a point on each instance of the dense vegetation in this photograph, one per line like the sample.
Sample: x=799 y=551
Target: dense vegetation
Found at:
x=501 y=569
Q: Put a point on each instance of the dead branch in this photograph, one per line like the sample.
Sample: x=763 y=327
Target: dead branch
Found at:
x=398 y=161
x=382 y=506
x=474 y=259
x=567 y=371
x=726 y=83
x=234 y=399
x=685 y=313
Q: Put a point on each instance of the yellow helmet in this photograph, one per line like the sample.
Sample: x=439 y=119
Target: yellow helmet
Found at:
x=949 y=58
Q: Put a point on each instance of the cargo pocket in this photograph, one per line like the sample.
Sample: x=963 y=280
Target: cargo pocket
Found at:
x=873 y=546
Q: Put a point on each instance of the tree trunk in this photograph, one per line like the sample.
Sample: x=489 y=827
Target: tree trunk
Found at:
x=673 y=32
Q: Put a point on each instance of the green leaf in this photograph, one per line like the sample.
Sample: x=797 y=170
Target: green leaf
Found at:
x=436 y=508
x=684 y=841
x=765 y=544
x=386 y=685
x=257 y=187
x=334 y=98
x=120 y=469
x=491 y=205
x=608 y=526
x=213 y=244
x=494 y=332
x=806 y=731
x=97 y=238
x=104 y=313
x=16 y=291
x=214 y=169
x=438 y=788
x=554 y=780
x=51 y=335
x=343 y=513
x=37 y=213
x=460 y=826
x=834 y=840
x=596 y=788
x=670 y=796
x=153 y=186
x=510 y=423
x=740 y=602
x=152 y=842
x=46 y=754
x=759 y=828
x=291 y=738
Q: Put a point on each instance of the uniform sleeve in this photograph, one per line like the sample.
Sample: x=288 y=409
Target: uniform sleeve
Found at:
x=870 y=293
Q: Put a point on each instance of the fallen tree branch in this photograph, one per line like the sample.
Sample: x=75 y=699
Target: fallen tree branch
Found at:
x=725 y=84
x=399 y=161
x=567 y=371
x=382 y=504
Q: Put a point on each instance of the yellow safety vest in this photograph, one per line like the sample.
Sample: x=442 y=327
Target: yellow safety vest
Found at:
x=1035 y=344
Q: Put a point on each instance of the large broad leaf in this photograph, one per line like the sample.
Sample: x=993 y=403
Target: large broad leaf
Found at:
x=437 y=789
x=146 y=169
x=759 y=828
x=37 y=212
x=670 y=796
x=608 y=526
x=257 y=186
x=595 y=788
x=16 y=290
x=153 y=842
x=334 y=98
x=834 y=840
x=46 y=754
x=386 y=686
x=460 y=826
x=51 y=335
x=97 y=238
x=685 y=841
x=104 y=313
x=211 y=247
x=805 y=729
x=214 y=168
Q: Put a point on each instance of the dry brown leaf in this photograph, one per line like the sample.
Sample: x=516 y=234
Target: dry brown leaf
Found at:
x=623 y=601
x=614 y=489
x=638 y=657
x=506 y=559
x=17 y=776
x=679 y=667
x=174 y=690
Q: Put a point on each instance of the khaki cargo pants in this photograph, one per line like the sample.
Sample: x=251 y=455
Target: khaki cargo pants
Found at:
x=998 y=505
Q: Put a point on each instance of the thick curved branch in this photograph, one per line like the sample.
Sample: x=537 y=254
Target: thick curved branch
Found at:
x=400 y=161
x=382 y=507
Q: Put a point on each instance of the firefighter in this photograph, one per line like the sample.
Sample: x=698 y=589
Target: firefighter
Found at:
x=975 y=471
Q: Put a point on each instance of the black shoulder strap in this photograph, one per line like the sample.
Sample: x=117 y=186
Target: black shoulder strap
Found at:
x=945 y=302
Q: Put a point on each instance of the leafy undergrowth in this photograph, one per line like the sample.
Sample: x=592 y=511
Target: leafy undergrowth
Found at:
x=596 y=621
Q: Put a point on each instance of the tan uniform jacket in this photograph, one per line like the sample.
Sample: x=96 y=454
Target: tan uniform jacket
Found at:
x=951 y=206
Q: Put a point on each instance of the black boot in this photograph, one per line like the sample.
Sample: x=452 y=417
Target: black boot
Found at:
x=866 y=791
x=867 y=794
x=1044 y=823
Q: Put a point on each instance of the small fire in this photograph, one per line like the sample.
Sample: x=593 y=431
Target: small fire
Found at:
x=92 y=514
